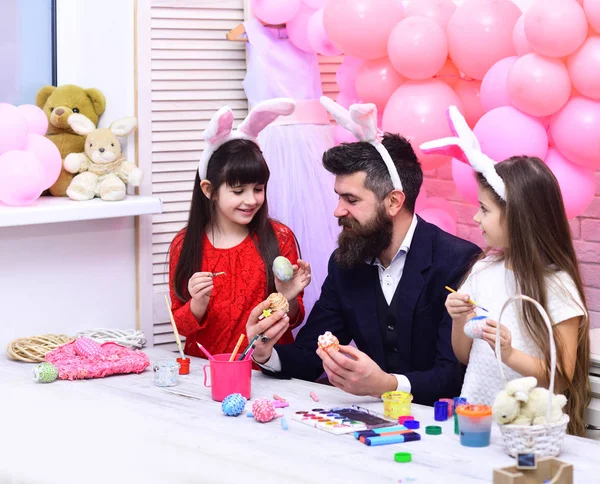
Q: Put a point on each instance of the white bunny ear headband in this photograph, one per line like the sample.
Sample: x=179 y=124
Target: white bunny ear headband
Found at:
x=464 y=146
x=361 y=121
x=219 y=130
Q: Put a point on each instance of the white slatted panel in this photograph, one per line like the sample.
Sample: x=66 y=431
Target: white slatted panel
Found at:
x=195 y=70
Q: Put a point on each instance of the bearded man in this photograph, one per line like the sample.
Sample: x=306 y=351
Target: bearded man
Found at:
x=385 y=288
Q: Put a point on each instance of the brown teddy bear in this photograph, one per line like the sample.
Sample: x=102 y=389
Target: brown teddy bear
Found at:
x=103 y=170
x=59 y=103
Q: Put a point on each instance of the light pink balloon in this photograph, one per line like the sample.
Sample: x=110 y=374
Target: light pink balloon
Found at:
x=443 y=205
x=538 y=85
x=48 y=155
x=275 y=11
x=466 y=183
x=347 y=73
x=592 y=12
x=520 y=39
x=449 y=74
x=417 y=111
x=21 y=177
x=584 y=68
x=417 y=48
x=297 y=29
x=342 y=135
x=469 y=95
x=345 y=100
x=577 y=184
x=376 y=82
x=361 y=28
x=555 y=28
x=440 y=11
x=36 y=119
x=494 y=91
x=315 y=3
x=439 y=218
x=13 y=128
x=317 y=38
x=506 y=132
x=480 y=34
x=576 y=131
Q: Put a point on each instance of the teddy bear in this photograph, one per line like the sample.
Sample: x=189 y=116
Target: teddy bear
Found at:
x=102 y=169
x=59 y=104
x=509 y=402
x=535 y=407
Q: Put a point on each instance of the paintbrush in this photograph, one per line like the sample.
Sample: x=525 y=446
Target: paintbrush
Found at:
x=174 y=327
x=470 y=300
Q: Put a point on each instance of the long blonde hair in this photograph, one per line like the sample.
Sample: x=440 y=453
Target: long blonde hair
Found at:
x=539 y=245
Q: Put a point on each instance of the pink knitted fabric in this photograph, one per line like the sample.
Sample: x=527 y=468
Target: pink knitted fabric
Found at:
x=85 y=358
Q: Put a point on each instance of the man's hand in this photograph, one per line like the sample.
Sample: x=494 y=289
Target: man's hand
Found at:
x=354 y=372
x=272 y=327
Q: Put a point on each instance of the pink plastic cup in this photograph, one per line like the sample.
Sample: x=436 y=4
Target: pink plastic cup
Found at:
x=228 y=377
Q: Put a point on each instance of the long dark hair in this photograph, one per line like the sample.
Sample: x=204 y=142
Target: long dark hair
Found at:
x=236 y=162
x=540 y=245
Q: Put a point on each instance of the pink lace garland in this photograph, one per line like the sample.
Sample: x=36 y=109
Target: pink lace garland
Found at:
x=85 y=358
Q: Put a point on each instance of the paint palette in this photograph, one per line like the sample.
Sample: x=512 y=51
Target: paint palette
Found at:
x=342 y=420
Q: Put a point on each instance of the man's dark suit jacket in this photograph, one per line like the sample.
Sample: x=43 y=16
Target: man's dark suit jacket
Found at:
x=348 y=308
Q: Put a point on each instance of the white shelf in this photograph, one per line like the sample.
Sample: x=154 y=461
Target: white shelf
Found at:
x=47 y=210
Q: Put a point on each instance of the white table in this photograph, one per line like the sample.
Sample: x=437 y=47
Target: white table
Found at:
x=123 y=429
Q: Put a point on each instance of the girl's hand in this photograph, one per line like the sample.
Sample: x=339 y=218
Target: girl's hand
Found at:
x=299 y=280
x=200 y=287
x=489 y=335
x=459 y=307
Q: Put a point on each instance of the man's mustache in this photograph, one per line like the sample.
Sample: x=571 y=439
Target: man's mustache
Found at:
x=348 y=223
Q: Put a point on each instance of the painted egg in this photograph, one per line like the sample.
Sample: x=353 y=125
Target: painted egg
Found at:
x=263 y=410
x=87 y=347
x=45 y=372
x=282 y=268
x=474 y=327
x=233 y=405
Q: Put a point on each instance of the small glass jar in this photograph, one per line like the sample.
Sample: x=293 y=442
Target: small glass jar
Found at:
x=396 y=404
x=165 y=373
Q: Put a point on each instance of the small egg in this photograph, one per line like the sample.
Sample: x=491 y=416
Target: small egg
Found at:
x=282 y=268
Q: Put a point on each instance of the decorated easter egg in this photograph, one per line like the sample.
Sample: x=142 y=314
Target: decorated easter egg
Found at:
x=278 y=302
x=263 y=410
x=327 y=341
x=45 y=372
x=282 y=268
x=87 y=347
x=474 y=327
x=233 y=405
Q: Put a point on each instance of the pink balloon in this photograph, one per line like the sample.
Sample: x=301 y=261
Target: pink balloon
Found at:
x=21 y=176
x=555 y=28
x=440 y=218
x=538 y=85
x=576 y=131
x=417 y=111
x=466 y=183
x=440 y=11
x=361 y=28
x=577 y=184
x=315 y=3
x=421 y=202
x=347 y=73
x=520 y=39
x=584 y=68
x=506 y=132
x=297 y=29
x=13 y=128
x=345 y=100
x=275 y=11
x=469 y=94
x=37 y=122
x=494 y=91
x=449 y=74
x=417 y=48
x=376 y=82
x=443 y=205
x=48 y=155
x=342 y=135
x=480 y=34
x=592 y=12
x=317 y=37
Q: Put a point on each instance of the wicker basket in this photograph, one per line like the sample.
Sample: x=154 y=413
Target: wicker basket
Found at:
x=542 y=440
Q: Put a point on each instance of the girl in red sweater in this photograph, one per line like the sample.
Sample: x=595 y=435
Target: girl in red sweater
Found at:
x=229 y=231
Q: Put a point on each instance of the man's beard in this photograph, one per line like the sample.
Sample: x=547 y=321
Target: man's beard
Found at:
x=363 y=242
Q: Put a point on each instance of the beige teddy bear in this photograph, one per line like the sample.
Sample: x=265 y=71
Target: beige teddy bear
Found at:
x=103 y=170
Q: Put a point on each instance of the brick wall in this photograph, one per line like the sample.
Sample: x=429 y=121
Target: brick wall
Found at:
x=585 y=230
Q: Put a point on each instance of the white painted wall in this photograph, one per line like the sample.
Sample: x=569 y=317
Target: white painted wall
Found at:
x=71 y=276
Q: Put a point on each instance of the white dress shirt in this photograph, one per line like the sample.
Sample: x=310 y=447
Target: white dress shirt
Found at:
x=389 y=278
